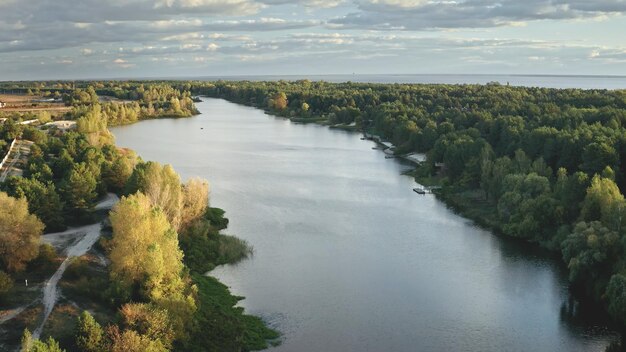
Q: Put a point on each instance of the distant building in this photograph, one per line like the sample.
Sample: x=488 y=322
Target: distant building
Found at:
x=2 y=104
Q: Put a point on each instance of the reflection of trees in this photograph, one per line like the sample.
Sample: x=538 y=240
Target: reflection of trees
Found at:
x=581 y=315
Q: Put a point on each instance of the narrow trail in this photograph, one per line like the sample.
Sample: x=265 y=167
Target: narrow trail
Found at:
x=16 y=158
x=12 y=313
x=90 y=234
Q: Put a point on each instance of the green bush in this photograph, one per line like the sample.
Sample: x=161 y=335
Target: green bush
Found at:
x=6 y=283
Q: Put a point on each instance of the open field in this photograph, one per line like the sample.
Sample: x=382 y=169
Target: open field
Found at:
x=28 y=103
x=52 y=108
x=17 y=98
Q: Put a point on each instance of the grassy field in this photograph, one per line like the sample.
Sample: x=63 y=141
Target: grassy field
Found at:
x=25 y=103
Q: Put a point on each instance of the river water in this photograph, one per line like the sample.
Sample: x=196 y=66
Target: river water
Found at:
x=347 y=257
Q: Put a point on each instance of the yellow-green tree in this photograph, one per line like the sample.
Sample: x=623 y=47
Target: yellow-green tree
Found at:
x=94 y=125
x=148 y=320
x=195 y=200
x=145 y=257
x=602 y=197
x=131 y=341
x=144 y=248
x=161 y=184
x=20 y=233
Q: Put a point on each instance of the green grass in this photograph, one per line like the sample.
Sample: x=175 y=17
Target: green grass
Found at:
x=220 y=326
x=320 y=120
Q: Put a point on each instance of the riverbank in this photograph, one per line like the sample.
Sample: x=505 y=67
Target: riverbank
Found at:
x=338 y=234
x=219 y=323
x=469 y=202
x=80 y=282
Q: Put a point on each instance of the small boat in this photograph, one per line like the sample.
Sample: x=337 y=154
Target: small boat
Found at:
x=363 y=138
x=419 y=190
x=375 y=148
x=389 y=156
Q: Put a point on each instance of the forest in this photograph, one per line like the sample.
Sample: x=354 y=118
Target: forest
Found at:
x=543 y=165
x=159 y=239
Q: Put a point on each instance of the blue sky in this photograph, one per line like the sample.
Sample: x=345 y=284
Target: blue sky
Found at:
x=46 y=39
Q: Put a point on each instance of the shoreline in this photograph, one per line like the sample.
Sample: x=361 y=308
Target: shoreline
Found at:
x=457 y=206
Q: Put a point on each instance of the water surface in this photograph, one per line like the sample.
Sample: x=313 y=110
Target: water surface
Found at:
x=347 y=257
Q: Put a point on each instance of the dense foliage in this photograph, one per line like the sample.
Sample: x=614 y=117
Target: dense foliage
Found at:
x=545 y=165
x=159 y=221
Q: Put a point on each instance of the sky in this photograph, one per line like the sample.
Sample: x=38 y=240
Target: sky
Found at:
x=70 y=39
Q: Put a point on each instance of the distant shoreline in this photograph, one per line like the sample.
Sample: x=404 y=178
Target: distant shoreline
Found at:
x=558 y=81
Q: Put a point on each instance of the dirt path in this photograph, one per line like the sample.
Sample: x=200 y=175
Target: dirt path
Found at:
x=16 y=158
x=90 y=235
x=12 y=313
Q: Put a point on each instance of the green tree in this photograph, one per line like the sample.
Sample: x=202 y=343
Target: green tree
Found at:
x=6 y=283
x=79 y=190
x=589 y=253
x=43 y=200
x=596 y=156
x=89 y=334
x=616 y=295
x=28 y=344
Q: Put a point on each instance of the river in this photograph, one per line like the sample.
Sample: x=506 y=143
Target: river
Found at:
x=347 y=257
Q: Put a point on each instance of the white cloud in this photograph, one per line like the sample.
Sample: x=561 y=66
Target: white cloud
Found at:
x=432 y=14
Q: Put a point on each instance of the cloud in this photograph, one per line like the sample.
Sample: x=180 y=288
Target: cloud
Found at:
x=307 y=3
x=609 y=55
x=95 y=11
x=66 y=35
x=406 y=35
x=439 y=14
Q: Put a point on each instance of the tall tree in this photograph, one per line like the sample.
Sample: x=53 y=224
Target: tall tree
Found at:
x=20 y=233
x=161 y=184
x=79 y=189
x=195 y=200
x=144 y=249
x=89 y=334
